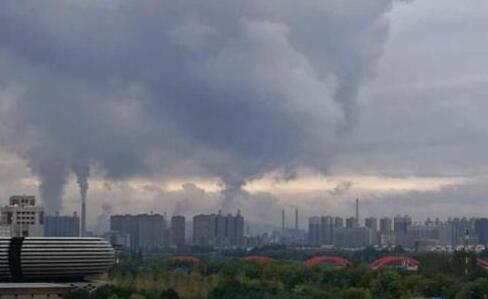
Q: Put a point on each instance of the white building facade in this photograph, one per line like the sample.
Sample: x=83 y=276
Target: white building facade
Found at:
x=22 y=217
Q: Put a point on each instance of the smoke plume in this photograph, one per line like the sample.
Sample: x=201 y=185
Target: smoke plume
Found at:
x=228 y=89
x=53 y=172
x=103 y=219
x=82 y=172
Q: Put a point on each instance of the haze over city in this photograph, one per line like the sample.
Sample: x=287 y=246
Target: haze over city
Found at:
x=193 y=107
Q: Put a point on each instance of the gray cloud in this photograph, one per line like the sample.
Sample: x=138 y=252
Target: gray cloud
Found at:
x=232 y=90
x=424 y=114
x=462 y=200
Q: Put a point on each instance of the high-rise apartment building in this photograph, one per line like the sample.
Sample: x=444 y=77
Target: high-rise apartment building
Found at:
x=326 y=230
x=23 y=217
x=321 y=230
x=218 y=230
x=354 y=237
x=481 y=229
x=204 y=230
x=400 y=228
x=314 y=229
x=371 y=223
x=338 y=222
x=352 y=222
x=401 y=223
x=423 y=233
x=462 y=231
x=146 y=232
x=62 y=226
x=386 y=234
x=386 y=225
x=177 y=230
x=239 y=230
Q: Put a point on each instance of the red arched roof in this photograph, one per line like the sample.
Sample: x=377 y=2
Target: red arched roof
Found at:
x=335 y=260
x=258 y=259
x=392 y=260
x=482 y=263
x=190 y=259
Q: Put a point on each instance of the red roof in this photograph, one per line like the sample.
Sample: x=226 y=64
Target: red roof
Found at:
x=392 y=260
x=482 y=263
x=258 y=259
x=334 y=260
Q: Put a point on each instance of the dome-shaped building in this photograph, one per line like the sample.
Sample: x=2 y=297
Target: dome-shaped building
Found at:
x=41 y=259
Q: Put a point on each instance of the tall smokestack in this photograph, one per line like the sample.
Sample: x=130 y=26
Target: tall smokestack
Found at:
x=357 y=210
x=82 y=171
x=83 y=217
x=283 y=220
x=296 y=219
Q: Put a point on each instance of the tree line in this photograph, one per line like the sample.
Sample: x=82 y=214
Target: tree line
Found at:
x=453 y=276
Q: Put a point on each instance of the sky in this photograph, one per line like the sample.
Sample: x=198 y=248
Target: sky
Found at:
x=186 y=107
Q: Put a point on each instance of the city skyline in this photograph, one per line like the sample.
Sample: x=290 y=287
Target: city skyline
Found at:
x=155 y=232
x=219 y=149
x=407 y=135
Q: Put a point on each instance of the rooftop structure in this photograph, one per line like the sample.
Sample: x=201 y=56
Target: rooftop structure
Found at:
x=33 y=290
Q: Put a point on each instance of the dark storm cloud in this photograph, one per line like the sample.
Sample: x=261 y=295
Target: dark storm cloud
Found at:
x=230 y=89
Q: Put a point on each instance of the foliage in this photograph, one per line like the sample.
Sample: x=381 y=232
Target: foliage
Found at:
x=440 y=275
x=477 y=289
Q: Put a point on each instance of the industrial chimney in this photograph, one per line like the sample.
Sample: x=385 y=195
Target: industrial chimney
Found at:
x=83 y=217
x=283 y=220
x=357 y=210
x=296 y=219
